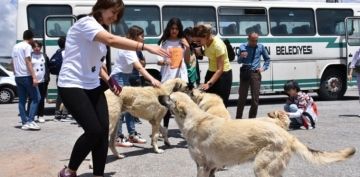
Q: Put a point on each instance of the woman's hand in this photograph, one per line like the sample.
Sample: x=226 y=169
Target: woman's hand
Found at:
x=205 y=86
x=155 y=83
x=114 y=86
x=350 y=77
x=157 y=51
x=35 y=82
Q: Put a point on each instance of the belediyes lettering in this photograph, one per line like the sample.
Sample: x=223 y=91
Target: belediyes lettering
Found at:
x=294 y=50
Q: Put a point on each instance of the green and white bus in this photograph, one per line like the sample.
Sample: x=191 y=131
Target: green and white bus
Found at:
x=309 y=42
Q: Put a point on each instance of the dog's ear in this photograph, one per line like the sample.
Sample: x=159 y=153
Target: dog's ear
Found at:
x=190 y=86
x=177 y=87
x=164 y=100
x=272 y=114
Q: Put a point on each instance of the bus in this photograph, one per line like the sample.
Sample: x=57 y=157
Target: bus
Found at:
x=308 y=42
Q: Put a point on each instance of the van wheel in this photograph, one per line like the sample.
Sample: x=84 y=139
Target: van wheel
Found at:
x=6 y=95
x=332 y=85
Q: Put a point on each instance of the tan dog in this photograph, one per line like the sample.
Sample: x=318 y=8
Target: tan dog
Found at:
x=213 y=104
x=141 y=102
x=277 y=117
x=210 y=103
x=215 y=142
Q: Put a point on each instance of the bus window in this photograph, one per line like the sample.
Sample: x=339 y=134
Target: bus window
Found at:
x=332 y=21
x=292 y=22
x=239 y=21
x=37 y=13
x=354 y=32
x=57 y=27
x=146 y=17
x=190 y=16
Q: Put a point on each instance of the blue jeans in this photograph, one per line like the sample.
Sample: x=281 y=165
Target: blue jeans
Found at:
x=291 y=108
x=123 y=80
x=25 y=88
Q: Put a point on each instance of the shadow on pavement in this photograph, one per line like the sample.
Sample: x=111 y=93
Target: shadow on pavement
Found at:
x=282 y=99
x=349 y=115
x=91 y=175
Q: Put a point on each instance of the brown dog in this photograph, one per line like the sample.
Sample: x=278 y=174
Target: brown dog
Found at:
x=141 y=102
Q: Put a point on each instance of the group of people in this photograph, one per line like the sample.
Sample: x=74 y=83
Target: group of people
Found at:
x=32 y=76
x=82 y=91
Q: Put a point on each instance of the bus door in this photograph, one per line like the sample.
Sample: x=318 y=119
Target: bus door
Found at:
x=55 y=26
x=352 y=38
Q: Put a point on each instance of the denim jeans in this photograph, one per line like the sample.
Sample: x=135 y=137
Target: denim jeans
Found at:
x=290 y=108
x=25 y=88
x=123 y=80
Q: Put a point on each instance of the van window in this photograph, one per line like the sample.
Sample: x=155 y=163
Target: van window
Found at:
x=239 y=21
x=292 y=22
x=190 y=15
x=37 y=13
x=146 y=17
x=332 y=21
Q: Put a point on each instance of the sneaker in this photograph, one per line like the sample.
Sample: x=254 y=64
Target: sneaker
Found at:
x=41 y=120
x=123 y=142
x=67 y=119
x=25 y=126
x=137 y=120
x=33 y=126
x=137 y=139
x=65 y=173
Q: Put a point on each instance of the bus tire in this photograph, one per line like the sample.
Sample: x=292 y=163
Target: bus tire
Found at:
x=332 y=85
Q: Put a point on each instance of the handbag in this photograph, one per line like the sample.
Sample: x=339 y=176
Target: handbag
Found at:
x=245 y=70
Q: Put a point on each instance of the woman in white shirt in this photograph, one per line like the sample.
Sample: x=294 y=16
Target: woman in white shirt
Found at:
x=174 y=67
x=40 y=62
x=123 y=69
x=79 y=84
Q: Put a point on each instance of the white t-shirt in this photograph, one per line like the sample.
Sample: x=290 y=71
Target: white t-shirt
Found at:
x=82 y=60
x=124 y=62
x=38 y=61
x=168 y=72
x=19 y=53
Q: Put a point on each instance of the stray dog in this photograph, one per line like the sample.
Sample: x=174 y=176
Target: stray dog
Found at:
x=213 y=104
x=277 y=117
x=216 y=142
x=210 y=103
x=142 y=102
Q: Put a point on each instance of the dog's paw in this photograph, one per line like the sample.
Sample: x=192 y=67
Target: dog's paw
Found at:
x=167 y=144
x=120 y=156
x=159 y=151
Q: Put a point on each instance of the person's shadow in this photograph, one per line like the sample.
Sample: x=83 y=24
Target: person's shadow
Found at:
x=91 y=175
x=349 y=115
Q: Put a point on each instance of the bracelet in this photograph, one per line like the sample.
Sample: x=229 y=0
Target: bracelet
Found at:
x=137 y=46
x=142 y=48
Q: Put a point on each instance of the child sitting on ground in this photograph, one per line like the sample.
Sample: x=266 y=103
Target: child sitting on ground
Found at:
x=300 y=107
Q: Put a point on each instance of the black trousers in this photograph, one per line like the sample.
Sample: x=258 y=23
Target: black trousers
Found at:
x=89 y=109
x=222 y=86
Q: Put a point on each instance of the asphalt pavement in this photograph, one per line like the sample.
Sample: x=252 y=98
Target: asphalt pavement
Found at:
x=43 y=153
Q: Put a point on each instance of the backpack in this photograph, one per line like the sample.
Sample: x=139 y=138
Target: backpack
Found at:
x=56 y=62
x=230 y=50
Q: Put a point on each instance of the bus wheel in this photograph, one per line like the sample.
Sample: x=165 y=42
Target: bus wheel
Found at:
x=332 y=85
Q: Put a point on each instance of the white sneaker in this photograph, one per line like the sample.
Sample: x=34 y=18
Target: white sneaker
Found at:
x=41 y=119
x=33 y=126
x=26 y=126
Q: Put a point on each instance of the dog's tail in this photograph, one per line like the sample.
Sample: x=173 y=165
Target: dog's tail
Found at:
x=321 y=157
